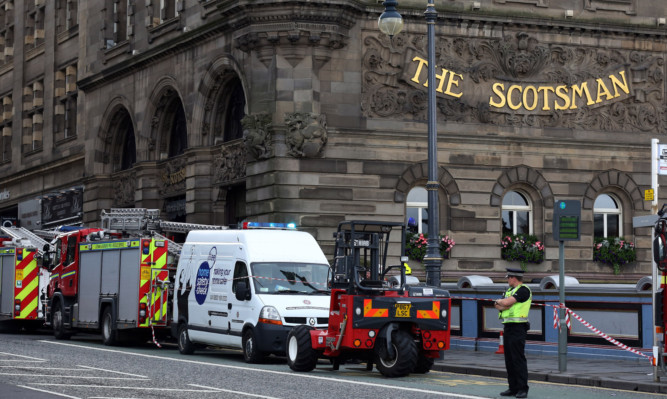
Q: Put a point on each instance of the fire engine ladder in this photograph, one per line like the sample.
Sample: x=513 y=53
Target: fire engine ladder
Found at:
x=130 y=219
x=25 y=238
x=179 y=227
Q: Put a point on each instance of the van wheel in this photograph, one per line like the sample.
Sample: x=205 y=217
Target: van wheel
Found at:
x=250 y=352
x=185 y=346
x=405 y=356
x=58 y=322
x=300 y=353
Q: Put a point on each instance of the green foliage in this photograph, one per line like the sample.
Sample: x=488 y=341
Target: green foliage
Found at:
x=614 y=251
x=523 y=248
x=415 y=246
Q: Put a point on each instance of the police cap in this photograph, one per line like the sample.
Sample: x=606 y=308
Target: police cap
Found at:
x=514 y=272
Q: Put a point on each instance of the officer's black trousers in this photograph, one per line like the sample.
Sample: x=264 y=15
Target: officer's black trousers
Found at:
x=514 y=337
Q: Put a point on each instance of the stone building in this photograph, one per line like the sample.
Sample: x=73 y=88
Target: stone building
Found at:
x=216 y=111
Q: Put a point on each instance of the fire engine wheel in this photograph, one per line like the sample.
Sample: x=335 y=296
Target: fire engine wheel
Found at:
x=109 y=334
x=250 y=352
x=300 y=353
x=185 y=346
x=424 y=364
x=404 y=359
x=58 y=322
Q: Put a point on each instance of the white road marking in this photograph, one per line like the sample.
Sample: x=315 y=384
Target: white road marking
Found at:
x=302 y=375
x=49 y=392
x=235 y=392
x=42 y=368
x=118 y=387
x=72 y=376
x=26 y=357
x=112 y=371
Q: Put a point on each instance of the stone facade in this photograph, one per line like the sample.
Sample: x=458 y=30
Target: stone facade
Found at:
x=217 y=111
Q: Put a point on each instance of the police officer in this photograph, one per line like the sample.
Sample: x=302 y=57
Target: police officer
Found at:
x=514 y=307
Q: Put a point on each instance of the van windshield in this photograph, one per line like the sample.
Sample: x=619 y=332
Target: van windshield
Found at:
x=290 y=278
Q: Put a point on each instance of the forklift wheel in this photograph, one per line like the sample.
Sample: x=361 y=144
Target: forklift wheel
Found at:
x=405 y=359
x=300 y=353
x=424 y=364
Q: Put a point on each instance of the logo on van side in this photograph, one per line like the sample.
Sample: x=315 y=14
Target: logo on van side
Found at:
x=203 y=277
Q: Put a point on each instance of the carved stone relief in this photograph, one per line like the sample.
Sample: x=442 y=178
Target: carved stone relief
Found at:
x=306 y=134
x=124 y=186
x=172 y=177
x=229 y=165
x=257 y=135
x=628 y=85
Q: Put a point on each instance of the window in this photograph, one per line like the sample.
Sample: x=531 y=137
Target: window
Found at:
x=607 y=217
x=34 y=23
x=33 y=105
x=416 y=210
x=117 y=22
x=240 y=274
x=160 y=11
x=66 y=15
x=71 y=250
x=7 y=31
x=6 y=127
x=517 y=214
x=65 y=103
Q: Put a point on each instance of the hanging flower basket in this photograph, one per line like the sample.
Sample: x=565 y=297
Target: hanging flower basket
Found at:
x=614 y=251
x=523 y=248
x=415 y=246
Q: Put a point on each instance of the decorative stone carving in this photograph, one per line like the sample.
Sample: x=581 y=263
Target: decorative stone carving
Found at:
x=124 y=186
x=391 y=88
x=172 y=177
x=309 y=30
x=229 y=165
x=257 y=135
x=306 y=134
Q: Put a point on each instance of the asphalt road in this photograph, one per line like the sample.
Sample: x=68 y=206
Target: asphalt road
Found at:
x=36 y=366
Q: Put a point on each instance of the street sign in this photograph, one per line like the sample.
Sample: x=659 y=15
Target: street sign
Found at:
x=662 y=159
x=644 y=221
x=567 y=220
x=648 y=195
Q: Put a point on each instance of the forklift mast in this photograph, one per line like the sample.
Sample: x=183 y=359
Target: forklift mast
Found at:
x=360 y=256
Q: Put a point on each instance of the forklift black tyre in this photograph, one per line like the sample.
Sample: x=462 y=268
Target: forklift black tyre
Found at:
x=300 y=353
x=405 y=360
x=109 y=334
x=185 y=346
x=424 y=364
x=59 y=331
x=250 y=352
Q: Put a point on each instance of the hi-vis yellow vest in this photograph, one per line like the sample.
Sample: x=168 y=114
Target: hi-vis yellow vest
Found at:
x=518 y=313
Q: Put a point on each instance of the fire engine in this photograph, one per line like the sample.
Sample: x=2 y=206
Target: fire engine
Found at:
x=117 y=278
x=660 y=300
x=374 y=316
x=22 y=281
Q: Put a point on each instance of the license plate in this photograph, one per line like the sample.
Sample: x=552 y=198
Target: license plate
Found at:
x=403 y=309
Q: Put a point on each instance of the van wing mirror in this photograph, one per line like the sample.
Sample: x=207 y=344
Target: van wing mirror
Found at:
x=660 y=251
x=242 y=291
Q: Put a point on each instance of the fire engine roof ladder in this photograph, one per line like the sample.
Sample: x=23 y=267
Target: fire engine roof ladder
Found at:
x=25 y=238
x=142 y=219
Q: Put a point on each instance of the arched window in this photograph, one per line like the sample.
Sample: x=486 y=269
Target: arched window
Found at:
x=607 y=214
x=517 y=214
x=416 y=210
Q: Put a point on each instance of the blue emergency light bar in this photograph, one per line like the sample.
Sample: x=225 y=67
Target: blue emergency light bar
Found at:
x=268 y=225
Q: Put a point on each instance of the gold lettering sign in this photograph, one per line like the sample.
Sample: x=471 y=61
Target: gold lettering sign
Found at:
x=520 y=97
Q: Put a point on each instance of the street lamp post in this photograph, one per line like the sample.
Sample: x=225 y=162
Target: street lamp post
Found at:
x=391 y=23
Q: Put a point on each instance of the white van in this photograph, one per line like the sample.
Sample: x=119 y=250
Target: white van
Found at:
x=247 y=289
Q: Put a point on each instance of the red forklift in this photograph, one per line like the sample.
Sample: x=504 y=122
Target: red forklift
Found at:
x=375 y=316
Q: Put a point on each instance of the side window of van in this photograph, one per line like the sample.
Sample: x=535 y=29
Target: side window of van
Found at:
x=240 y=274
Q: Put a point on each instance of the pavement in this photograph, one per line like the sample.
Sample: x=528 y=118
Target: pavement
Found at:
x=631 y=375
